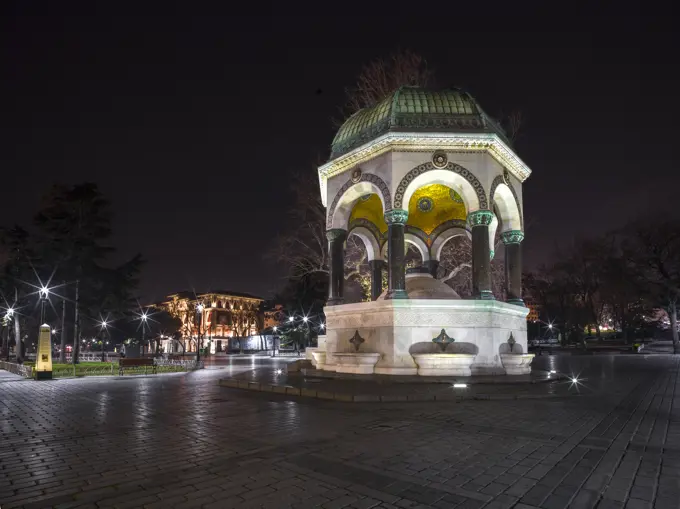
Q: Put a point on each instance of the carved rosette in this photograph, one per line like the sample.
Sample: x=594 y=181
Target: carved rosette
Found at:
x=396 y=216
x=480 y=218
x=512 y=237
x=335 y=234
x=439 y=159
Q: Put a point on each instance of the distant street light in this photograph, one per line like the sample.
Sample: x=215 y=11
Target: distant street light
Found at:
x=199 y=309
x=102 y=327
x=143 y=317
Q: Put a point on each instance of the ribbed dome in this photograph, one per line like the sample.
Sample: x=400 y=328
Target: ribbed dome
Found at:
x=412 y=109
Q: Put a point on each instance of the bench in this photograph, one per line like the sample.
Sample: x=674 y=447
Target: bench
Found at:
x=135 y=363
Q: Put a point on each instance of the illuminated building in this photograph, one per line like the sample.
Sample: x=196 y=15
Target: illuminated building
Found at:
x=216 y=316
x=533 y=309
x=274 y=316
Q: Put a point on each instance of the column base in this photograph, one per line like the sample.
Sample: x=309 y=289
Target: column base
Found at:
x=335 y=302
x=486 y=295
x=396 y=294
x=516 y=302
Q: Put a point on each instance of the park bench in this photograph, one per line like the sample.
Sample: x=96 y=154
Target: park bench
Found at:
x=135 y=363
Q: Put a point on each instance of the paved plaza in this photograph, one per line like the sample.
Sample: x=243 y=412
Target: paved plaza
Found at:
x=183 y=441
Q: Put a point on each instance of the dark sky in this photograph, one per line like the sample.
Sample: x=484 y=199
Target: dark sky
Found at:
x=192 y=117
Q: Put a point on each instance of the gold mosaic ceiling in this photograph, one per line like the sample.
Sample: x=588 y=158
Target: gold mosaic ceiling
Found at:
x=434 y=204
x=369 y=207
x=429 y=207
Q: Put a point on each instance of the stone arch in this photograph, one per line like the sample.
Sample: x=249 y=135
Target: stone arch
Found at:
x=414 y=240
x=341 y=206
x=419 y=244
x=504 y=196
x=460 y=179
x=370 y=242
x=444 y=237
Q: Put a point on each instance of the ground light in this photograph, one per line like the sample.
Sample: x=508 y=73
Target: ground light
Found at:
x=460 y=386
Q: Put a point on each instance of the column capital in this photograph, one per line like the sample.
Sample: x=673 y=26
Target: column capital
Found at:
x=512 y=237
x=396 y=216
x=335 y=233
x=480 y=218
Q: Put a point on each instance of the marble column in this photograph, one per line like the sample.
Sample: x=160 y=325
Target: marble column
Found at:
x=432 y=266
x=479 y=221
x=336 y=270
x=396 y=266
x=513 y=266
x=376 y=277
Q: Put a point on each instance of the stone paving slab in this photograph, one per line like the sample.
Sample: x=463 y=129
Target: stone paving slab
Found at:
x=185 y=442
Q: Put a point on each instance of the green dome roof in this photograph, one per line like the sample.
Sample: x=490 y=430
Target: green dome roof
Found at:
x=413 y=109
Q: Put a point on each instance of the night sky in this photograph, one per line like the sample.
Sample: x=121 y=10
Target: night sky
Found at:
x=192 y=119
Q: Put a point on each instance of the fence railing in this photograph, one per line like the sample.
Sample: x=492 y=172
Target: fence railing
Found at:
x=82 y=357
x=186 y=364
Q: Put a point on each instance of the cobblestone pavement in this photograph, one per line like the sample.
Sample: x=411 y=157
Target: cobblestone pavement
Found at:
x=181 y=441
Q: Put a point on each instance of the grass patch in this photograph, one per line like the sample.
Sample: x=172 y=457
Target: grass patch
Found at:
x=104 y=368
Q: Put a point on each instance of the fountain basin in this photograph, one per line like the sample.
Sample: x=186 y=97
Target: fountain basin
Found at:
x=517 y=363
x=357 y=363
x=444 y=364
x=319 y=359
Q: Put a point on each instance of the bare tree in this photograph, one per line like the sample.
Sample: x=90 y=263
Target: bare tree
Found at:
x=379 y=78
x=455 y=267
x=303 y=248
x=653 y=251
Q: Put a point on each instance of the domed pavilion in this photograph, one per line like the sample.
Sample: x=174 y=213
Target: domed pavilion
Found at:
x=420 y=168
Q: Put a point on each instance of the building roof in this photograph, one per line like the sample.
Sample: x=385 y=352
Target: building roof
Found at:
x=415 y=109
x=196 y=296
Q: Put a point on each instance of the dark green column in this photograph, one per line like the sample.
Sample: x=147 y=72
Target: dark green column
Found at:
x=481 y=254
x=513 y=266
x=336 y=265
x=396 y=267
x=376 y=277
x=432 y=266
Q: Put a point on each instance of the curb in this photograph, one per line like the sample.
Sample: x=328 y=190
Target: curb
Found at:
x=316 y=375
x=374 y=398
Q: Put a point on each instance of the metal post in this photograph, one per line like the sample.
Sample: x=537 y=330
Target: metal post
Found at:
x=198 y=337
x=76 y=339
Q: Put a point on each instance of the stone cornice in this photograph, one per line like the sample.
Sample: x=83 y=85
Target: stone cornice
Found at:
x=451 y=142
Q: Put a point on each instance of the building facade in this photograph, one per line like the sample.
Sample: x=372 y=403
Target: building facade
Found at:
x=215 y=320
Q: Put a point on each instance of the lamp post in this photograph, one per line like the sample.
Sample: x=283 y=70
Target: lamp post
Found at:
x=199 y=310
x=102 y=328
x=274 y=329
x=44 y=292
x=8 y=317
x=143 y=318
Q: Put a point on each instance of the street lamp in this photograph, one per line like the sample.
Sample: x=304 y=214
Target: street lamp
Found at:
x=102 y=326
x=199 y=310
x=8 y=315
x=291 y=319
x=143 y=318
x=44 y=292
